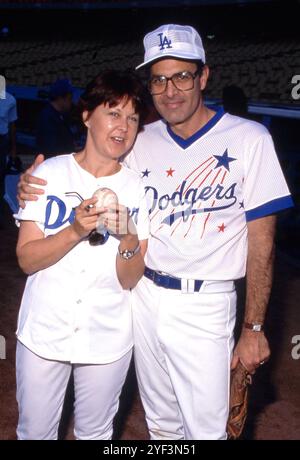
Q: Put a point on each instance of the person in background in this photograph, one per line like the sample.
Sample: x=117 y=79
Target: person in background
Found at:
x=75 y=312
x=54 y=135
x=235 y=101
x=8 y=117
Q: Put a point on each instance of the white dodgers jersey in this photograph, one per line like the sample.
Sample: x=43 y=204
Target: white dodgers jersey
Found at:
x=202 y=192
x=76 y=309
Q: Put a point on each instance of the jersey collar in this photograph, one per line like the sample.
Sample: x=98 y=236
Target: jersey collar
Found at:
x=185 y=143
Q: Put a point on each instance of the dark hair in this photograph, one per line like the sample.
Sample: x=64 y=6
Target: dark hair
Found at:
x=60 y=88
x=111 y=86
x=235 y=100
x=200 y=66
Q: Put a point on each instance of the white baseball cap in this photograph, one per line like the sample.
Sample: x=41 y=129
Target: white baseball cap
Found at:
x=172 y=40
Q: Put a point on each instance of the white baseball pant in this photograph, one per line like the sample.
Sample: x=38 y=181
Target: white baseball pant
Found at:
x=183 y=349
x=41 y=387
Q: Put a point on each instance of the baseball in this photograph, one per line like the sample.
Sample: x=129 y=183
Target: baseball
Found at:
x=106 y=197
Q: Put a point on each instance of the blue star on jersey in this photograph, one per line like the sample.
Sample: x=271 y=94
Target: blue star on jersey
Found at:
x=145 y=173
x=224 y=160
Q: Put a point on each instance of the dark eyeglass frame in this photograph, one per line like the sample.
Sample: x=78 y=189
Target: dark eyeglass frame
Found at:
x=94 y=238
x=166 y=79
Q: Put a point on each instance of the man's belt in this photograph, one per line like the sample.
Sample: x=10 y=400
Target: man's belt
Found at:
x=170 y=282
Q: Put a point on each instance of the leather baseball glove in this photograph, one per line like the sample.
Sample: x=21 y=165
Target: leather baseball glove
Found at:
x=238 y=404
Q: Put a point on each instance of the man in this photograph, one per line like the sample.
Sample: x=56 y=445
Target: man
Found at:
x=214 y=184
x=54 y=135
x=8 y=116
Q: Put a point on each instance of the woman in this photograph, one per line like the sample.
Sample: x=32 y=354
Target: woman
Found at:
x=75 y=311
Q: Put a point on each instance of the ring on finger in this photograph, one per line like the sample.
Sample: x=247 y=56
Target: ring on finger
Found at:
x=88 y=207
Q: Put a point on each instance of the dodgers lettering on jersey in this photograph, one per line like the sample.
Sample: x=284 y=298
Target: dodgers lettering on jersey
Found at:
x=191 y=197
x=58 y=212
x=203 y=190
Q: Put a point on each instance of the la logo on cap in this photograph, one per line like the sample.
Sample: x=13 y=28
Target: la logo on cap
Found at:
x=164 y=42
x=173 y=41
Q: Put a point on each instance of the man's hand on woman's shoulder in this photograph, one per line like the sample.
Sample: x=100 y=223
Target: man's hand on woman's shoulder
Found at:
x=27 y=189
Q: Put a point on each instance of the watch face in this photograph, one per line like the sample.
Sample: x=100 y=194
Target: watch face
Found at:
x=254 y=327
x=126 y=254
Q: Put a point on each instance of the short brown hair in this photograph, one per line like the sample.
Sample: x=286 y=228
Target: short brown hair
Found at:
x=109 y=87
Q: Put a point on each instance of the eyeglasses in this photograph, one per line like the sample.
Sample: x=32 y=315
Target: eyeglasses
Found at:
x=94 y=237
x=184 y=81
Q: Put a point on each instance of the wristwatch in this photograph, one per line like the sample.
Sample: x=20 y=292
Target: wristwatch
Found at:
x=254 y=327
x=128 y=253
